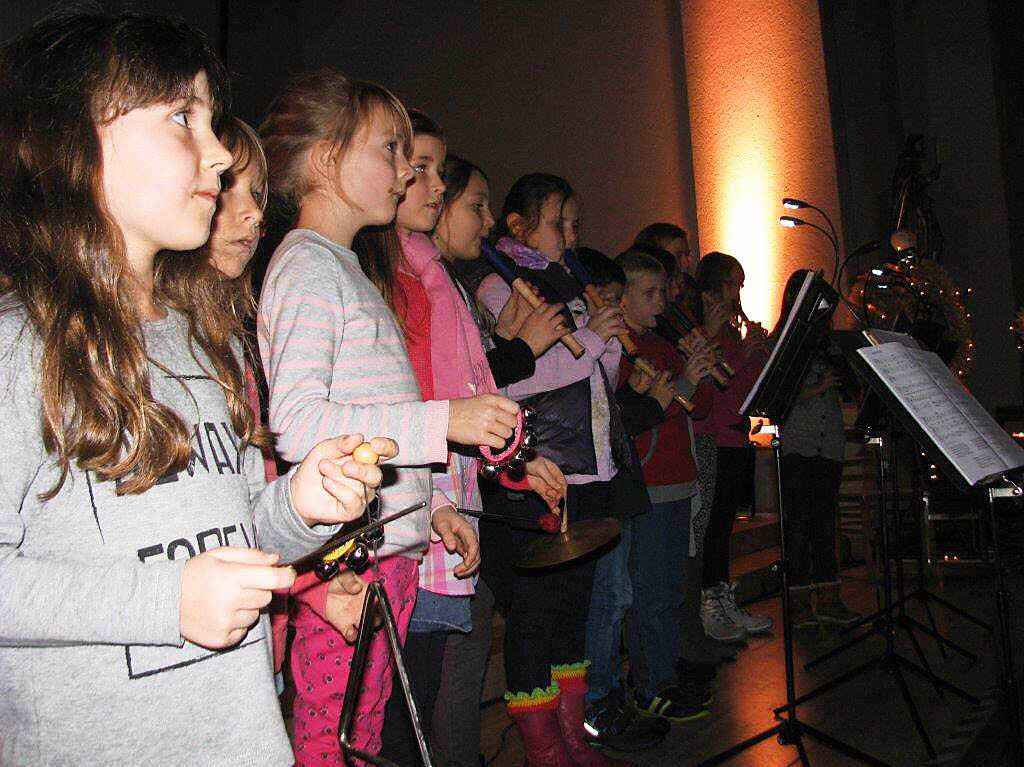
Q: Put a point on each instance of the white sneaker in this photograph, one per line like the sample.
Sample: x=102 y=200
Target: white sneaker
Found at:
x=753 y=624
x=717 y=623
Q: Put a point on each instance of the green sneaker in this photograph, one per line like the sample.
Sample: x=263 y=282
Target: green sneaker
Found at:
x=676 y=704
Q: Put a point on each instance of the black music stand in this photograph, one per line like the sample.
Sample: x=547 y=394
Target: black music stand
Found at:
x=773 y=396
x=872 y=422
x=995 y=486
x=1008 y=685
x=891 y=616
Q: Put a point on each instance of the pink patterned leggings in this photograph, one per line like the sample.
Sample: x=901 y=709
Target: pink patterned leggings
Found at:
x=321 y=660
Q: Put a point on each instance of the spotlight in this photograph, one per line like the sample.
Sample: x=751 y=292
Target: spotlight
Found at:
x=792 y=203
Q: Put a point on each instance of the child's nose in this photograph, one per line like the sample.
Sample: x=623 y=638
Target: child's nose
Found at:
x=252 y=215
x=217 y=156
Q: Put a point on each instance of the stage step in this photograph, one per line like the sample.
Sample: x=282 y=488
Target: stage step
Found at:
x=980 y=737
x=754 y=534
x=756 y=575
x=754 y=550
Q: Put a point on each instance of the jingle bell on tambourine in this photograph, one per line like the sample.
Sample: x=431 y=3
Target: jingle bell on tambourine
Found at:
x=354 y=554
x=518 y=450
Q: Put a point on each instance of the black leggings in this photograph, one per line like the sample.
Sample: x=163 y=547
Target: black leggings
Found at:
x=545 y=610
x=423 y=653
x=810 y=488
x=734 y=488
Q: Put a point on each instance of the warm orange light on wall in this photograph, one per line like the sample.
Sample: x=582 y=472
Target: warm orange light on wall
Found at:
x=761 y=131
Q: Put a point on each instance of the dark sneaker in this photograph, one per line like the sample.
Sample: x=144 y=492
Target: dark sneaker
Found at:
x=698 y=676
x=688 y=672
x=837 y=614
x=676 y=704
x=831 y=609
x=613 y=723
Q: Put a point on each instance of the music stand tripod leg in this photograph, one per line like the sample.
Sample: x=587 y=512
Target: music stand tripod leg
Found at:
x=940 y=640
x=790 y=729
x=925 y=596
x=889 y=659
x=1008 y=672
x=377 y=598
x=920 y=592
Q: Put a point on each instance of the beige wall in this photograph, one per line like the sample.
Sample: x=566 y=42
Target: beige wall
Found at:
x=593 y=91
x=761 y=131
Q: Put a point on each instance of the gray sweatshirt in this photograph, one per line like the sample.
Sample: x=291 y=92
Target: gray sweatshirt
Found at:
x=93 y=669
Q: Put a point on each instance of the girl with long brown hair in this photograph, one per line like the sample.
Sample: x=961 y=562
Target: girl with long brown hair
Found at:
x=133 y=493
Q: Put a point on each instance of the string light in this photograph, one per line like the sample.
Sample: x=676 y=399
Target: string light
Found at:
x=929 y=283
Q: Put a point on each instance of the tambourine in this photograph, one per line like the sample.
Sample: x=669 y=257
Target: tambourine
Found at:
x=519 y=449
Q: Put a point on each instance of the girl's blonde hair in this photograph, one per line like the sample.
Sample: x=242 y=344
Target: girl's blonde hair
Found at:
x=323 y=105
x=241 y=140
x=62 y=257
x=238 y=137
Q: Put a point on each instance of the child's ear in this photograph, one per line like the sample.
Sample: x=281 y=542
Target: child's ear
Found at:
x=322 y=159
x=516 y=225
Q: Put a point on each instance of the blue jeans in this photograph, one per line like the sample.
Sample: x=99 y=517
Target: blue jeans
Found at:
x=440 y=612
x=657 y=568
x=609 y=601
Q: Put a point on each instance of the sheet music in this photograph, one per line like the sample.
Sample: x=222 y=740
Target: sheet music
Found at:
x=949 y=415
x=995 y=436
x=878 y=337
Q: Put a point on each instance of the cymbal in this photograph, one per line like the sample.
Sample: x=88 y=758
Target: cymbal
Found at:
x=580 y=539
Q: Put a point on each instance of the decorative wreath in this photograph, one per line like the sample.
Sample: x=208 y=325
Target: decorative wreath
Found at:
x=924 y=285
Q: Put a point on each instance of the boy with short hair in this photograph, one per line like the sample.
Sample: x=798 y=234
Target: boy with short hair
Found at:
x=661 y=539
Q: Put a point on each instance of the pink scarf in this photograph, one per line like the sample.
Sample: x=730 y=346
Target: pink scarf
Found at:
x=458 y=362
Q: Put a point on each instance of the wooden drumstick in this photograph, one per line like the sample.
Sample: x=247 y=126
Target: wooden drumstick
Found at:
x=683 y=324
x=631 y=352
x=522 y=287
